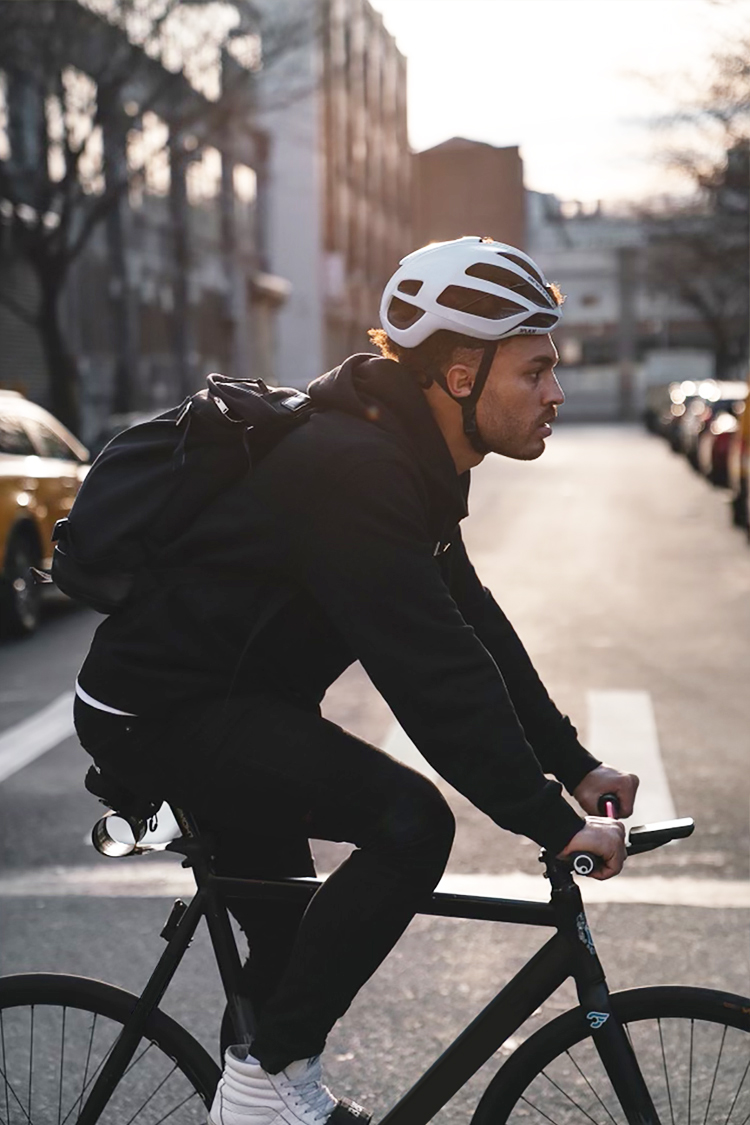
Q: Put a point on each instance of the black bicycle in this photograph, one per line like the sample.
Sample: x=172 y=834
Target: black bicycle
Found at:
x=75 y=1051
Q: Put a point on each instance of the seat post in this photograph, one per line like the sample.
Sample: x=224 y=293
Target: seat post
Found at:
x=198 y=857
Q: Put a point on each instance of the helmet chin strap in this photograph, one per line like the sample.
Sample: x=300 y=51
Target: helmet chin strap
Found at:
x=468 y=403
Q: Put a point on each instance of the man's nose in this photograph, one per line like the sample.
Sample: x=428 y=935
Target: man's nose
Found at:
x=553 y=392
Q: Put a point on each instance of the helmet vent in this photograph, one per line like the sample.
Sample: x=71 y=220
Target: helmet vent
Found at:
x=525 y=265
x=410 y=286
x=541 y=320
x=509 y=280
x=403 y=315
x=485 y=305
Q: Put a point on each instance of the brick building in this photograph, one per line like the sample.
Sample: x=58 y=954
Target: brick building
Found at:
x=468 y=187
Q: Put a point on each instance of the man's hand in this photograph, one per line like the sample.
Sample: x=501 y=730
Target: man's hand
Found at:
x=605 y=779
x=602 y=837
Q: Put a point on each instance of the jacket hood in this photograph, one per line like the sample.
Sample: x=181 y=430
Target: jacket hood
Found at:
x=382 y=392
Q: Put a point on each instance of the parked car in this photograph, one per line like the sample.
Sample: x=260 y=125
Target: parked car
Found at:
x=670 y=420
x=714 y=443
x=738 y=469
x=718 y=400
x=41 y=468
x=713 y=397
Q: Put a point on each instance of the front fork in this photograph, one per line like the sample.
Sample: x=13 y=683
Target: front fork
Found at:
x=608 y=1034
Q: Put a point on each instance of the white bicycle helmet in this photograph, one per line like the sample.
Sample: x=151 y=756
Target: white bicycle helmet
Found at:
x=475 y=287
x=472 y=286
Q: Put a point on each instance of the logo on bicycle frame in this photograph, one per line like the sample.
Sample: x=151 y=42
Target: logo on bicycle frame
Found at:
x=597 y=1019
x=584 y=934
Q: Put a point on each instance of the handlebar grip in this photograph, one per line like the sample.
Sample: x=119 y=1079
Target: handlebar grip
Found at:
x=609 y=805
x=584 y=863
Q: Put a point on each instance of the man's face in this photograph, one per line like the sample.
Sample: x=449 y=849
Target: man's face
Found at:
x=520 y=398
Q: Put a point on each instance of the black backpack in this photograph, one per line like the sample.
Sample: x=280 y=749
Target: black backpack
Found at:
x=151 y=481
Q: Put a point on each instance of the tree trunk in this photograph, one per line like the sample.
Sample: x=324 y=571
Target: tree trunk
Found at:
x=62 y=369
x=722 y=352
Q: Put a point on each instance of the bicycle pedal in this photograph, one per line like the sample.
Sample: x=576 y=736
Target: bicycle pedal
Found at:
x=348 y=1112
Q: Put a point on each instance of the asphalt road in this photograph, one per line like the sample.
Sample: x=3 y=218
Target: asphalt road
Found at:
x=620 y=571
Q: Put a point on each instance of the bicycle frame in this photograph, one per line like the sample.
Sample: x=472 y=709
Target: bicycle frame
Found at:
x=570 y=952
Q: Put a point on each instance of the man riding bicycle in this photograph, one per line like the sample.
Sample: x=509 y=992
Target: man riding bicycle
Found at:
x=343 y=544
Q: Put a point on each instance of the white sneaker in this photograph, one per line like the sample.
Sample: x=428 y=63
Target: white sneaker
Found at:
x=249 y=1095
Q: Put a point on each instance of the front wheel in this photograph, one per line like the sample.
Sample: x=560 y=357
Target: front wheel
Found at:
x=56 y=1033
x=692 y=1045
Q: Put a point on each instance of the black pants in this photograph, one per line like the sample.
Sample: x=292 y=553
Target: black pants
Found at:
x=265 y=775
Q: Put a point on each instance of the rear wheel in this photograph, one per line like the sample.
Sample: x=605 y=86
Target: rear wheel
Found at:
x=692 y=1044
x=20 y=598
x=57 y=1031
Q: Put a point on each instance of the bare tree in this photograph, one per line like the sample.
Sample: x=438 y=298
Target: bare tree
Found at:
x=80 y=76
x=700 y=245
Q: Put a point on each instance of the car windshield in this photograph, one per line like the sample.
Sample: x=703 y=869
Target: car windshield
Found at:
x=13 y=437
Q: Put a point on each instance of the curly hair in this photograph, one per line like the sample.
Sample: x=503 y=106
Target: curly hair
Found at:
x=436 y=353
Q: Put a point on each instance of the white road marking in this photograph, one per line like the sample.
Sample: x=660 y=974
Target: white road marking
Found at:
x=622 y=732
x=159 y=879
x=400 y=746
x=35 y=736
x=658 y=890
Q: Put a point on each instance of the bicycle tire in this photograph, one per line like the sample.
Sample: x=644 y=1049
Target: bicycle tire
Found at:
x=693 y=1045
x=57 y=1030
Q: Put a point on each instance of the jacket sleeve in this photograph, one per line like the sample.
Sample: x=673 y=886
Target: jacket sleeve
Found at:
x=550 y=733
x=364 y=552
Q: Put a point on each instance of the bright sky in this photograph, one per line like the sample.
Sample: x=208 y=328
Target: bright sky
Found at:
x=570 y=81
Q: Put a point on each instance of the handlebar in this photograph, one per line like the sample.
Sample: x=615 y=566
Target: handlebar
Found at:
x=643 y=838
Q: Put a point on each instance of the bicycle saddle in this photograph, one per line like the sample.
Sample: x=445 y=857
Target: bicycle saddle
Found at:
x=118 y=797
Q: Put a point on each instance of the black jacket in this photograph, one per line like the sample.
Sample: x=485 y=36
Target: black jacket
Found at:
x=352 y=521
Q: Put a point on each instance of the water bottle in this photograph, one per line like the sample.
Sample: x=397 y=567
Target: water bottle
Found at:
x=116 y=835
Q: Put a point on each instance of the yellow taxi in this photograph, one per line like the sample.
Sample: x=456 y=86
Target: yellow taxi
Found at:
x=41 y=468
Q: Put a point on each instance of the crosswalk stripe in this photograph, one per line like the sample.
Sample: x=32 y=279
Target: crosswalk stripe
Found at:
x=152 y=878
x=622 y=732
x=36 y=735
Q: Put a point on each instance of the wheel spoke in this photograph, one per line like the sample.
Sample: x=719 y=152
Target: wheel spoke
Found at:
x=745 y=1120
x=666 y=1074
x=153 y=1094
x=713 y=1079
x=31 y=1059
x=591 y=1088
x=739 y=1091
x=62 y=1067
x=536 y=1109
x=2 y=1041
x=92 y=1032
x=690 y=1073
x=88 y=1084
x=21 y=1106
x=189 y=1098
x=134 y=1062
x=572 y=1101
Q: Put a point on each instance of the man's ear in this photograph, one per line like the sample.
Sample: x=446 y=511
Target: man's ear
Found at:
x=460 y=379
